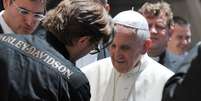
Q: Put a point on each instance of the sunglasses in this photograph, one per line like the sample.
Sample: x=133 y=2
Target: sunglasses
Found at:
x=24 y=12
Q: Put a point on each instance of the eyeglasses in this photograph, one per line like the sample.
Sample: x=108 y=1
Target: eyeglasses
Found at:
x=95 y=50
x=103 y=43
x=23 y=11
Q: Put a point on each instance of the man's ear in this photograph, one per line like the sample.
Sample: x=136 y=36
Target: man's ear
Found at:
x=172 y=28
x=82 y=41
x=6 y=3
x=107 y=7
x=147 y=45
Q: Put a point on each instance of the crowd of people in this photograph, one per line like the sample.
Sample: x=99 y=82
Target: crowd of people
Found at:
x=73 y=50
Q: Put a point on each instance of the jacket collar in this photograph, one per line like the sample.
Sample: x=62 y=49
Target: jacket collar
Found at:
x=56 y=44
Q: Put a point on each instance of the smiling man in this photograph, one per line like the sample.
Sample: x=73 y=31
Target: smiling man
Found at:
x=129 y=74
x=179 y=44
x=159 y=17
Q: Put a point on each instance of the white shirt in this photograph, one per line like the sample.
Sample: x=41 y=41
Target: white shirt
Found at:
x=121 y=85
x=143 y=83
x=87 y=59
x=173 y=61
x=6 y=29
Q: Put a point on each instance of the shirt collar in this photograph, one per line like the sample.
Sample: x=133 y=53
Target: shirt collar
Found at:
x=6 y=29
x=60 y=47
x=174 y=57
x=156 y=58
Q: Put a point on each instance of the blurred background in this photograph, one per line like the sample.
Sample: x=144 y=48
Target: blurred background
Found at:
x=189 y=9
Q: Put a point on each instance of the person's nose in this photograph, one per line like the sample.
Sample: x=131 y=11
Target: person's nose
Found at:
x=153 y=30
x=118 y=52
x=184 y=42
x=30 y=20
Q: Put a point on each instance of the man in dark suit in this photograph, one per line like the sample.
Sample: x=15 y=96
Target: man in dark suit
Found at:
x=185 y=84
x=4 y=81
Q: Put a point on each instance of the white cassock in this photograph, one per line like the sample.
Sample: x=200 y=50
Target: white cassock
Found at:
x=143 y=83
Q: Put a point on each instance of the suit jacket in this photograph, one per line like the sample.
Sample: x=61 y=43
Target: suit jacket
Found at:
x=162 y=57
x=185 y=84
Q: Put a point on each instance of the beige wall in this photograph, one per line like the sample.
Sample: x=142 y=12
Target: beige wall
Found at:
x=190 y=10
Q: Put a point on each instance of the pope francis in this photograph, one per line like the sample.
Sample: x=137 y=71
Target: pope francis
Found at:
x=129 y=74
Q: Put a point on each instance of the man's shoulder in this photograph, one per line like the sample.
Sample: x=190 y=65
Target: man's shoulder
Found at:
x=40 y=32
x=153 y=67
x=24 y=59
x=34 y=49
x=22 y=42
x=101 y=67
x=100 y=64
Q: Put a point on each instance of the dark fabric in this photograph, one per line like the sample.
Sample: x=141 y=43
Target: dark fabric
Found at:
x=171 y=85
x=103 y=54
x=185 y=86
x=60 y=47
x=32 y=69
x=40 y=32
x=79 y=88
x=162 y=57
x=45 y=35
x=1 y=5
x=1 y=30
x=3 y=81
x=39 y=72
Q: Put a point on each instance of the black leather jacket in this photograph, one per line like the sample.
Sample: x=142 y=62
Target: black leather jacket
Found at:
x=79 y=88
x=39 y=72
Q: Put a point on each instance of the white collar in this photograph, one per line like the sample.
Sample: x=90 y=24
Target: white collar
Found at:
x=6 y=29
x=174 y=57
x=156 y=58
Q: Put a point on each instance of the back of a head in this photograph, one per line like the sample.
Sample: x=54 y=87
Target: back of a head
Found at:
x=76 y=18
x=159 y=8
x=134 y=20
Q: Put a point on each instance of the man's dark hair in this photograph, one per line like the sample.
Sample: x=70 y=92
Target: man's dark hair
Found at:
x=102 y=2
x=52 y=4
x=72 y=19
x=180 y=21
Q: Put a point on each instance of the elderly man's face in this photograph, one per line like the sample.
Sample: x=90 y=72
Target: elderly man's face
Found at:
x=125 y=49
